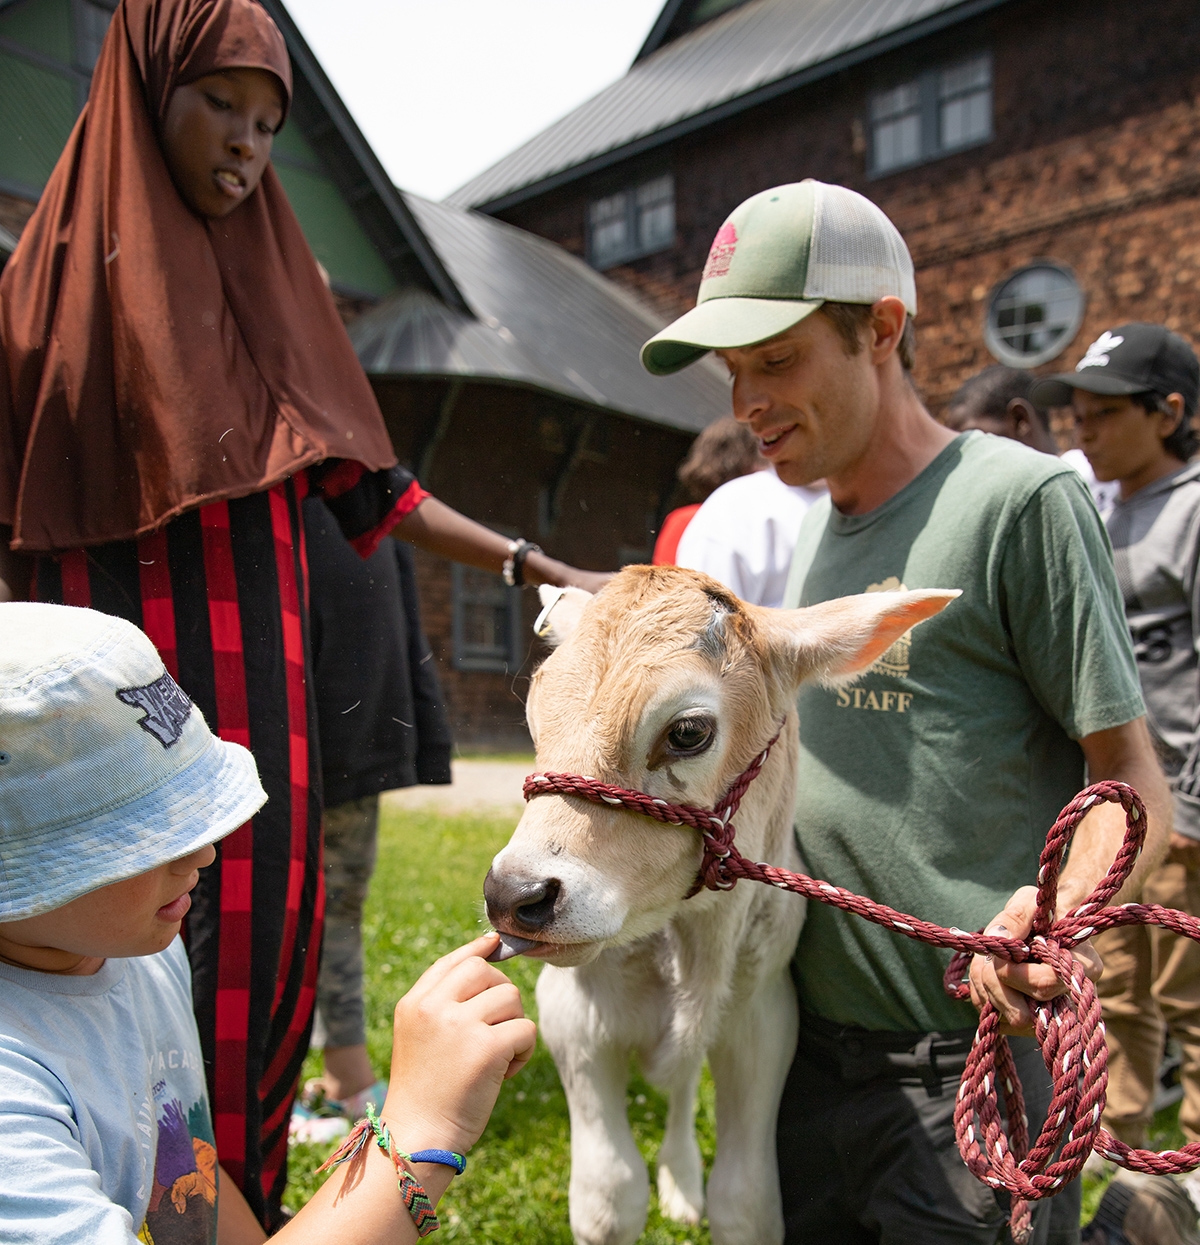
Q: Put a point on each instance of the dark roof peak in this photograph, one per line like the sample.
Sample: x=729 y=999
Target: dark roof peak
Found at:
x=678 y=17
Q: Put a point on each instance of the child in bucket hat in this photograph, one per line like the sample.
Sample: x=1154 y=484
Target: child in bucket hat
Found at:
x=112 y=793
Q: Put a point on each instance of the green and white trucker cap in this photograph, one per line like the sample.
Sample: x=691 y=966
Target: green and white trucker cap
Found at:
x=778 y=257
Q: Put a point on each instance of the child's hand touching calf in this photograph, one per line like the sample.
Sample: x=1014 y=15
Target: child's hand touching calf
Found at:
x=459 y=1033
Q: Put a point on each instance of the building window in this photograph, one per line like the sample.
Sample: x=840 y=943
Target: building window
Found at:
x=1033 y=314
x=944 y=110
x=633 y=222
x=486 y=621
x=92 y=18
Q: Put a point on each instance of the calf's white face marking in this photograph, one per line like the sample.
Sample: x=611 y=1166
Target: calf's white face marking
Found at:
x=621 y=876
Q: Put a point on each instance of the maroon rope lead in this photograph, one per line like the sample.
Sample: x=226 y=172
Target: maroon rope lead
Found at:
x=1069 y=1029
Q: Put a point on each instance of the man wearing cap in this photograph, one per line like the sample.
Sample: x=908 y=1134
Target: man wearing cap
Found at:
x=931 y=782
x=1134 y=395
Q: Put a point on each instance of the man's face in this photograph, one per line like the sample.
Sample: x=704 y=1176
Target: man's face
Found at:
x=139 y=916
x=811 y=405
x=217 y=137
x=1120 y=438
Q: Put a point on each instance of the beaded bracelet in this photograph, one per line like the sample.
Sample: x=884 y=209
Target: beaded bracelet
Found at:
x=416 y=1200
x=514 y=565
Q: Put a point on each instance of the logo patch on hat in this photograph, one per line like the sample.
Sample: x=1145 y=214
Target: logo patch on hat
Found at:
x=724 y=244
x=166 y=706
x=1097 y=352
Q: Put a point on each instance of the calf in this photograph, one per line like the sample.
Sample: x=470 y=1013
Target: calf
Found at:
x=666 y=683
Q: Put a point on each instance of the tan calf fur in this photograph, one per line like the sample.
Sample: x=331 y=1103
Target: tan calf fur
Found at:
x=666 y=683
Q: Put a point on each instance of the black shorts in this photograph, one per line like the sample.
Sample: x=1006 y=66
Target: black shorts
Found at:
x=866 y=1146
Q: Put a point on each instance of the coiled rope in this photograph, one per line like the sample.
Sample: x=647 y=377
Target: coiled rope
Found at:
x=1069 y=1028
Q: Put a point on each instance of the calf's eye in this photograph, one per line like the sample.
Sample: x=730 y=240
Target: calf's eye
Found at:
x=689 y=736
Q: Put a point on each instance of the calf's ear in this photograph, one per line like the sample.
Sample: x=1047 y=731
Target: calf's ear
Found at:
x=837 y=640
x=561 y=611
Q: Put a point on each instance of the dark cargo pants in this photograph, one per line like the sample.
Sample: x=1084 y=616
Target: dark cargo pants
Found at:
x=871 y=1159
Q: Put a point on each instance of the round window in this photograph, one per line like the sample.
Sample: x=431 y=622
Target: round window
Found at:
x=1033 y=315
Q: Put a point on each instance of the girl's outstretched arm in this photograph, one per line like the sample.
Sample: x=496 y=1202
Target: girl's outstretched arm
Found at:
x=438 y=528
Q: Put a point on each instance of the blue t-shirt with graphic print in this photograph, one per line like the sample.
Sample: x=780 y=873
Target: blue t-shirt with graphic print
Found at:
x=105 y=1134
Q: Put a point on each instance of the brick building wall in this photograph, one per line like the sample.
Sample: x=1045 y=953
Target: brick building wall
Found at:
x=526 y=464
x=1093 y=163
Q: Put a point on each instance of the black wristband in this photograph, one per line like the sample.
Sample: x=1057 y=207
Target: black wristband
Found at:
x=523 y=550
x=518 y=551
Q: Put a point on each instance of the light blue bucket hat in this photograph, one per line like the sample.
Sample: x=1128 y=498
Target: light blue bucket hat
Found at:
x=107 y=769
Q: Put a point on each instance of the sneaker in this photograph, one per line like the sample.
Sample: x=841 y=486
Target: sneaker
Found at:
x=315 y=1100
x=1190 y=1184
x=308 y=1128
x=1143 y=1210
x=354 y=1107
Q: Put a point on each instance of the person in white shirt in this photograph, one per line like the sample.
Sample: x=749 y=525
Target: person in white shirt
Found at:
x=745 y=533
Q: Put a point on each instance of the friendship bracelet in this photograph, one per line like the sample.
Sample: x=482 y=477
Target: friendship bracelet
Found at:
x=416 y=1200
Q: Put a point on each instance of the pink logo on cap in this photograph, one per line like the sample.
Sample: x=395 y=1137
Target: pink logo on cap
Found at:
x=724 y=244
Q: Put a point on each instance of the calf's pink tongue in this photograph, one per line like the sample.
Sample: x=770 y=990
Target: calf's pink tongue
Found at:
x=511 y=945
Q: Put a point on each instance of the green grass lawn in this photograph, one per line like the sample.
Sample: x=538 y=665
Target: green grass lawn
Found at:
x=427 y=899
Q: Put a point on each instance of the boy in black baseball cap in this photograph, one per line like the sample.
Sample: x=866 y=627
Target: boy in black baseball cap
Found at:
x=1134 y=394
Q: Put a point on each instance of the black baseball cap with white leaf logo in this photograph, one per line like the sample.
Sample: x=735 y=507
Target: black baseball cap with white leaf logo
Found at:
x=1132 y=358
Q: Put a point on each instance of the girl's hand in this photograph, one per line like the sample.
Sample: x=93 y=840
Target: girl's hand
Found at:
x=459 y=1033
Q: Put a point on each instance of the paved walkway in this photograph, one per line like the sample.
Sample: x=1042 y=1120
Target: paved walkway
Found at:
x=478 y=786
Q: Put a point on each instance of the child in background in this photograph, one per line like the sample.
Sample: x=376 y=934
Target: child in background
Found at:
x=112 y=794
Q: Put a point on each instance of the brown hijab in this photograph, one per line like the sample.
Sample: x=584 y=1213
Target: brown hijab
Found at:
x=153 y=360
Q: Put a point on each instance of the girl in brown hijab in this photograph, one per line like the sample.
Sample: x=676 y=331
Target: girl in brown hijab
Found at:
x=174 y=378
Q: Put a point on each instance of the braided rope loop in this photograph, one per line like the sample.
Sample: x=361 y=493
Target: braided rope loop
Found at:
x=1069 y=1028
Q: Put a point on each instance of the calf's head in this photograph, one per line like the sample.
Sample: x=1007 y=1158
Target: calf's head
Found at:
x=664 y=683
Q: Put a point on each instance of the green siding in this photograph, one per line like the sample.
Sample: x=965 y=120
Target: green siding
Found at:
x=336 y=237
x=43 y=25
x=291 y=144
x=38 y=108
x=37 y=111
x=706 y=10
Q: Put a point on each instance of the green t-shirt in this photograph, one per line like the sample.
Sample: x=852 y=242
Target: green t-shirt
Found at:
x=930 y=783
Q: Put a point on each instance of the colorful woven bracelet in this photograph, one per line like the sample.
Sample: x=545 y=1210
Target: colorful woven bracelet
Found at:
x=416 y=1200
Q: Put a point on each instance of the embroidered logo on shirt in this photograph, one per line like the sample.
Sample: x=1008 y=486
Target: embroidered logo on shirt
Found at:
x=166 y=706
x=721 y=255
x=895 y=662
x=1097 y=352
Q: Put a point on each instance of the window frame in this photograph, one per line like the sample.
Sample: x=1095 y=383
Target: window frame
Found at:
x=473 y=658
x=930 y=100
x=81 y=12
x=633 y=210
x=996 y=344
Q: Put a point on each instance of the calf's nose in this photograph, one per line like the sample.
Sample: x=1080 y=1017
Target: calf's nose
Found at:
x=520 y=903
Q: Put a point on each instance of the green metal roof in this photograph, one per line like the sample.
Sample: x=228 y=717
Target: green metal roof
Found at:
x=742 y=57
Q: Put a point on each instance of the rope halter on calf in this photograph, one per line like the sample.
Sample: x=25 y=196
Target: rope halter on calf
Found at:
x=1069 y=1028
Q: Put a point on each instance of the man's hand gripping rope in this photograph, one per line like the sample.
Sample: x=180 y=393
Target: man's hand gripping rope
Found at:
x=1068 y=1028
